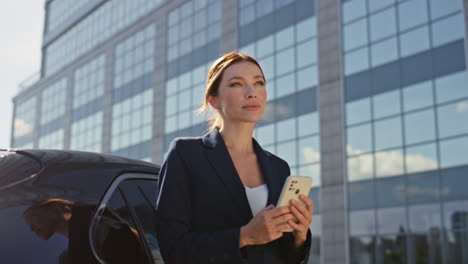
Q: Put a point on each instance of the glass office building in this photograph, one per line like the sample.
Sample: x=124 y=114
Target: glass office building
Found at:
x=367 y=97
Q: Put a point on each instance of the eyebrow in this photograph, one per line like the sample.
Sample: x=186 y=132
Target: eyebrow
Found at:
x=239 y=77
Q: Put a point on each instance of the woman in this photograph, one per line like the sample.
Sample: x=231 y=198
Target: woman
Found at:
x=218 y=192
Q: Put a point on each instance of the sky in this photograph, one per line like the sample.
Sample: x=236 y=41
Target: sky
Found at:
x=21 y=25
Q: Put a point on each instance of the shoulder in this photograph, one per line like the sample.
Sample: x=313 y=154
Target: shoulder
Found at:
x=183 y=143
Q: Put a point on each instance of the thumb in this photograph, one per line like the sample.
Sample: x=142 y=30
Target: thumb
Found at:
x=268 y=208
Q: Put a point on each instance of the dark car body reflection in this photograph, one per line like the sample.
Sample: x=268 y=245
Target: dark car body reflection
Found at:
x=76 y=207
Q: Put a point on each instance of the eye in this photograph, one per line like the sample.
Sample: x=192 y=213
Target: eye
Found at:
x=235 y=84
x=260 y=83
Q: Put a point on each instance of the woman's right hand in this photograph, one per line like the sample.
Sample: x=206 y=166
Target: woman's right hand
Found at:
x=266 y=226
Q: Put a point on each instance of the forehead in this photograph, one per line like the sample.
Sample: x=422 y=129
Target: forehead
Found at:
x=243 y=69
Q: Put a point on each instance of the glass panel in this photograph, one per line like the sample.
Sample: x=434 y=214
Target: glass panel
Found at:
x=265 y=46
x=421 y=158
x=447 y=30
x=360 y=167
x=412 y=13
x=423 y=187
x=356 y=61
x=285 y=61
x=355 y=34
x=376 y=5
x=307 y=53
x=456 y=215
x=419 y=126
x=308 y=124
x=453 y=152
x=453 y=119
x=306 y=29
x=386 y=104
x=312 y=171
x=362 y=250
x=353 y=9
x=359 y=139
x=391 y=191
x=392 y=249
x=309 y=150
x=451 y=87
x=284 y=38
x=307 y=78
x=456 y=247
x=384 y=51
x=362 y=222
x=426 y=247
x=414 y=41
x=424 y=218
x=285 y=85
x=358 y=111
x=418 y=96
x=454 y=182
x=392 y=221
x=389 y=163
x=382 y=24
x=287 y=151
x=361 y=195
x=286 y=129
x=441 y=8
x=388 y=133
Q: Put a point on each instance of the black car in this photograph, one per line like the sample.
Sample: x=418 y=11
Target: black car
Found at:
x=76 y=207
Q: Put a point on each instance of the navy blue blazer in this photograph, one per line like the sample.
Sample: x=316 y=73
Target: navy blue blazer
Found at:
x=202 y=205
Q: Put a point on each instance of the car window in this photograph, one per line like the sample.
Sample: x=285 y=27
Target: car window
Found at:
x=116 y=237
x=141 y=196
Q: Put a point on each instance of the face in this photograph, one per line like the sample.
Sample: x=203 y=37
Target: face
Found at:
x=42 y=225
x=241 y=95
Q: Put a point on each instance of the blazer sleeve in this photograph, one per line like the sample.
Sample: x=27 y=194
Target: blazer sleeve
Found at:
x=294 y=255
x=178 y=242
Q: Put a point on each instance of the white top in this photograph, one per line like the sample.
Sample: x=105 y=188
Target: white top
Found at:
x=258 y=197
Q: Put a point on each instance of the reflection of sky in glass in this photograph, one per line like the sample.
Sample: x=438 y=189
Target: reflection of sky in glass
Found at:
x=424 y=217
x=358 y=111
x=388 y=133
x=452 y=87
x=421 y=158
x=362 y=222
x=453 y=152
x=418 y=96
x=453 y=119
x=391 y=220
x=419 y=126
x=386 y=104
x=389 y=163
x=360 y=168
x=359 y=139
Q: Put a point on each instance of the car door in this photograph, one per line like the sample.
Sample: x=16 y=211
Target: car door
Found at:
x=123 y=230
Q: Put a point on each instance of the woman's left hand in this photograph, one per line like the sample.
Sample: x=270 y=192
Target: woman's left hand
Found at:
x=303 y=215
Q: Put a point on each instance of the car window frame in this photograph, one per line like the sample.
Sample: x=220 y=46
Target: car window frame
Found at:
x=114 y=187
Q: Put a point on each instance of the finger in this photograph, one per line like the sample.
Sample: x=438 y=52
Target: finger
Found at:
x=280 y=219
x=278 y=211
x=303 y=219
x=308 y=203
x=295 y=226
x=303 y=210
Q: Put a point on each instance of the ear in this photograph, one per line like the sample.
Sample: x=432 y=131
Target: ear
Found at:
x=213 y=101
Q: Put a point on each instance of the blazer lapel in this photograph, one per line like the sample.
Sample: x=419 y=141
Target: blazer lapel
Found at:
x=270 y=174
x=221 y=161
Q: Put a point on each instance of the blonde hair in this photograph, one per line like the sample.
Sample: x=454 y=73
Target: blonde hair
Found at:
x=49 y=205
x=213 y=79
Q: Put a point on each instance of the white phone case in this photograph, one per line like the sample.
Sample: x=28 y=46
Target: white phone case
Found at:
x=292 y=188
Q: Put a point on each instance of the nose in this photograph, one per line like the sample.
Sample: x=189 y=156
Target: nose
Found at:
x=251 y=93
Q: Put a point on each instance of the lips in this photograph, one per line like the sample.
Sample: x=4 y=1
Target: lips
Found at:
x=251 y=107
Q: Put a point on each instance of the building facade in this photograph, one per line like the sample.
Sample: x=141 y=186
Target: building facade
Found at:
x=367 y=97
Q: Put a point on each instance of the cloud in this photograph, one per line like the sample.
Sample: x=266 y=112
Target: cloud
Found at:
x=462 y=107
x=310 y=154
x=22 y=128
x=388 y=163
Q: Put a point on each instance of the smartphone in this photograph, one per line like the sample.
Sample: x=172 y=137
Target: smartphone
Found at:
x=292 y=188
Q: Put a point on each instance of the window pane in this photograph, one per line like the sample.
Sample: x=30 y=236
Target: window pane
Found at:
x=358 y=111
x=453 y=119
x=421 y=158
x=265 y=46
x=412 y=13
x=457 y=246
x=454 y=182
x=391 y=191
x=424 y=218
x=451 y=87
x=427 y=246
x=356 y=61
x=312 y=171
x=386 y=104
x=418 y=96
x=355 y=34
x=392 y=220
x=384 y=51
x=307 y=53
x=286 y=129
x=423 y=187
x=362 y=222
x=285 y=85
x=307 y=78
x=284 y=38
x=361 y=195
x=359 y=139
x=453 y=152
x=389 y=163
x=363 y=250
x=287 y=151
x=309 y=150
x=285 y=61
x=382 y=24
x=376 y=5
x=455 y=215
x=388 y=133
x=306 y=29
x=419 y=126
x=392 y=248
x=361 y=167
x=308 y=124
x=448 y=30
x=442 y=8
x=353 y=9
x=414 y=41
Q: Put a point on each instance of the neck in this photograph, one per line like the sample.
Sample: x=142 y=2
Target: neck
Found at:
x=62 y=227
x=238 y=137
